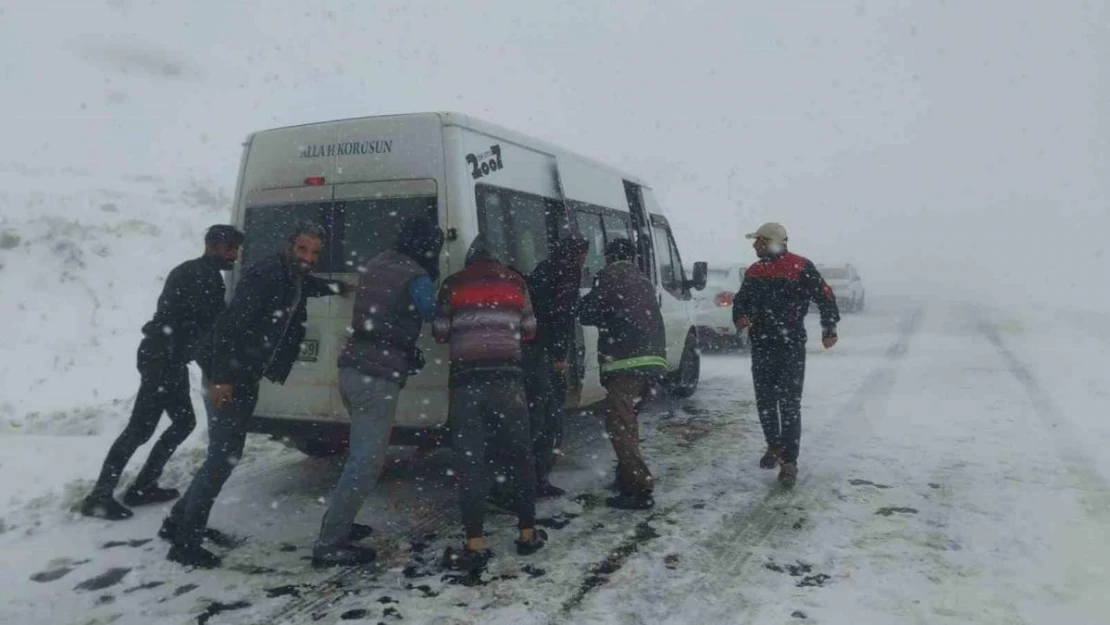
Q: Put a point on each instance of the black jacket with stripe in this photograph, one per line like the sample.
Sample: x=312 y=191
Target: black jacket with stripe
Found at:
x=776 y=294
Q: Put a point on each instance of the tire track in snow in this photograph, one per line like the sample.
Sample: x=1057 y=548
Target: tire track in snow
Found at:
x=737 y=542
x=1085 y=541
x=1094 y=485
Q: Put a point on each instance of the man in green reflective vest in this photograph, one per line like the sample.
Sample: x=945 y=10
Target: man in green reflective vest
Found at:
x=632 y=352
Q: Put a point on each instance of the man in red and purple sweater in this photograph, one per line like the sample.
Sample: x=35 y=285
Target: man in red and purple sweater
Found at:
x=483 y=313
x=772 y=305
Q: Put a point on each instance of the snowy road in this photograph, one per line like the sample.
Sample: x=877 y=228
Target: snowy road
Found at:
x=952 y=471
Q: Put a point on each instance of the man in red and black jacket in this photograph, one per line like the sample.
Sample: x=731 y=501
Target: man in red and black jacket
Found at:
x=772 y=305
x=483 y=313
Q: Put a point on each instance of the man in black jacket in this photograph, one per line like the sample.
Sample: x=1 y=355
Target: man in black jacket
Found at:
x=258 y=335
x=772 y=305
x=191 y=299
x=554 y=287
x=632 y=351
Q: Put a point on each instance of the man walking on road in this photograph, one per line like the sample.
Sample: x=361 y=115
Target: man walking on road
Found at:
x=632 y=351
x=258 y=335
x=484 y=312
x=191 y=299
x=395 y=296
x=772 y=305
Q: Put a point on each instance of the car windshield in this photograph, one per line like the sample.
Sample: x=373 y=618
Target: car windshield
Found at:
x=834 y=273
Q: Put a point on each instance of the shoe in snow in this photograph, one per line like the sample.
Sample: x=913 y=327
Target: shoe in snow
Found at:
x=772 y=457
x=547 y=490
x=788 y=474
x=466 y=561
x=360 y=531
x=105 y=508
x=527 y=548
x=194 y=556
x=343 y=555
x=629 y=501
x=150 y=494
x=168 y=531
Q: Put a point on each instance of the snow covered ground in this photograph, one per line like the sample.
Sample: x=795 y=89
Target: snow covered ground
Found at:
x=953 y=471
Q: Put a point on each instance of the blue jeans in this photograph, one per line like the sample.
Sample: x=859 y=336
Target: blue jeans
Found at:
x=227 y=433
x=371 y=403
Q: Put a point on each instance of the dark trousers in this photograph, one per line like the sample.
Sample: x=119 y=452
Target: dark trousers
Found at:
x=163 y=387
x=489 y=408
x=623 y=426
x=778 y=371
x=227 y=433
x=546 y=390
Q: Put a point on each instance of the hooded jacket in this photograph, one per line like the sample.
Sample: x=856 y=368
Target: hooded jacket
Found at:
x=387 y=321
x=631 y=336
x=554 y=287
x=483 y=313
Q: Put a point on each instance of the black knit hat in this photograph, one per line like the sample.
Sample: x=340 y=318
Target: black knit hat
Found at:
x=620 y=249
x=223 y=233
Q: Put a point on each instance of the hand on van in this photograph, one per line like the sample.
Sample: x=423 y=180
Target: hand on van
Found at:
x=743 y=323
x=219 y=394
x=559 y=365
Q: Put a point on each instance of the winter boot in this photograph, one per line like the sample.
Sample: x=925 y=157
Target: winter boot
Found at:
x=527 y=548
x=547 y=490
x=359 y=532
x=342 y=555
x=788 y=474
x=168 y=531
x=194 y=556
x=149 y=494
x=772 y=457
x=466 y=561
x=104 y=507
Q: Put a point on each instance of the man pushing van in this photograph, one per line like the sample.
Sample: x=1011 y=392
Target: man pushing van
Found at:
x=258 y=335
x=191 y=300
x=395 y=296
x=632 y=352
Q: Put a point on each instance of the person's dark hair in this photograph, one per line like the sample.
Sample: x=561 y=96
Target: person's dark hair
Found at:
x=422 y=241
x=570 y=247
x=307 y=228
x=620 y=249
x=223 y=234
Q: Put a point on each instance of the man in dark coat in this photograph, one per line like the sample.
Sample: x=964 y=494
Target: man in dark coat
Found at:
x=554 y=287
x=483 y=313
x=632 y=352
x=772 y=305
x=395 y=296
x=191 y=299
x=258 y=335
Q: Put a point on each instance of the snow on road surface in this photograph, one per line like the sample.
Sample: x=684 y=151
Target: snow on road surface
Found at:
x=948 y=475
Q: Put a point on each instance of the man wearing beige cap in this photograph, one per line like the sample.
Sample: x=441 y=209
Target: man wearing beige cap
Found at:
x=772 y=304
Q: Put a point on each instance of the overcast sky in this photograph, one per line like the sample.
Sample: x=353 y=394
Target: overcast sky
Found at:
x=937 y=144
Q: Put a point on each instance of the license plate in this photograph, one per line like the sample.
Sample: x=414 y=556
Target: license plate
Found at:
x=310 y=351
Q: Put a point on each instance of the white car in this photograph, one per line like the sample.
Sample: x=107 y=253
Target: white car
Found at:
x=845 y=282
x=714 y=308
